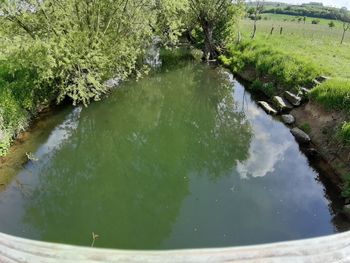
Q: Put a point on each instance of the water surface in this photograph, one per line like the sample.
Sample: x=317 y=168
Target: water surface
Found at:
x=181 y=159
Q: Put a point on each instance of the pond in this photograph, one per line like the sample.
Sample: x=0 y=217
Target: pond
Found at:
x=183 y=158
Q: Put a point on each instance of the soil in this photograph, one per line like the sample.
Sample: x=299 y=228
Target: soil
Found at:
x=324 y=126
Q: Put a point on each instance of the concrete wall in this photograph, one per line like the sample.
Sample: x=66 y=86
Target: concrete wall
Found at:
x=335 y=248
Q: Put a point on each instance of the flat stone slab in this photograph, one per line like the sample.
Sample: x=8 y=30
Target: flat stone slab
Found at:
x=304 y=93
x=281 y=104
x=267 y=107
x=288 y=119
x=316 y=82
x=301 y=136
x=304 y=90
x=322 y=78
x=292 y=98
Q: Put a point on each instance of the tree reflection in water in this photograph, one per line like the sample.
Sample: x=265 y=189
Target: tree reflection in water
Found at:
x=124 y=171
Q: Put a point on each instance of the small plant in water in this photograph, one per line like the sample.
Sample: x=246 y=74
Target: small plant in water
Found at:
x=31 y=157
x=306 y=127
x=94 y=237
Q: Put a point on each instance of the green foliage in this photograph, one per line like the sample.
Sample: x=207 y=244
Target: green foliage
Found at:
x=334 y=94
x=305 y=127
x=315 y=21
x=331 y=24
x=24 y=71
x=209 y=24
x=173 y=20
x=308 y=10
x=84 y=43
x=345 y=132
x=66 y=49
x=346 y=187
x=267 y=88
x=232 y=61
x=284 y=69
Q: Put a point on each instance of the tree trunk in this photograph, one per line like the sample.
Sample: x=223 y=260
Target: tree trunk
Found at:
x=254 y=29
x=209 y=46
x=342 y=39
x=239 y=37
x=190 y=38
x=346 y=27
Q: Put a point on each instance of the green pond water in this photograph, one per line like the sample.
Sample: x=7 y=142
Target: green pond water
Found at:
x=183 y=158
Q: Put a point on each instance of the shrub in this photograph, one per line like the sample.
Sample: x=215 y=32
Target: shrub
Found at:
x=331 y=24
x=233 y=61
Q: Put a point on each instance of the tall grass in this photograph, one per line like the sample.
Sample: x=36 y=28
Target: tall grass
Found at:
x=283 y=69
x=334 y=94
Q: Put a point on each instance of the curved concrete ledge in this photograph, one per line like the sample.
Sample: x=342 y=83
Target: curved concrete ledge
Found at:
x=335 y=248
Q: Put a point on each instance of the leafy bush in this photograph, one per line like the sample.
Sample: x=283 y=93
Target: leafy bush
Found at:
x=233 y=61
x=83 y=44
x=331 y=24
x=58 y=52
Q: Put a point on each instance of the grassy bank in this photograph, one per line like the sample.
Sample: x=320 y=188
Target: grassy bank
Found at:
x=283 y=70
x=292 y=57
x=295 y=57
x=335 y=95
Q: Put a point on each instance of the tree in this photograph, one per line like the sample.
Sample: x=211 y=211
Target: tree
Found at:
x=173 y=20
x=345 y=18
x=87 y=42
x=216 y=18
x=208 y=24
x=258 y=9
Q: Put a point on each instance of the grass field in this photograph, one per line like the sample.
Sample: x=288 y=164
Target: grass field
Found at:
x=317 y=43
x=288 y=18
